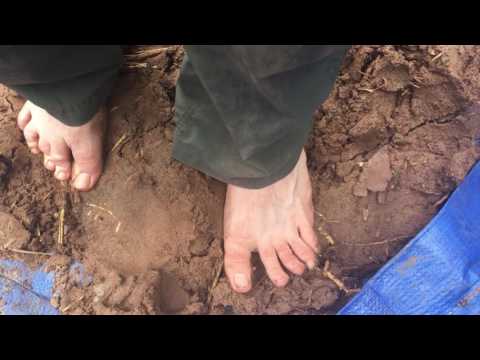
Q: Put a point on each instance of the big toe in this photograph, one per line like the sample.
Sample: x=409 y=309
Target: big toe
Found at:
x=237 y=266
x=87 y=164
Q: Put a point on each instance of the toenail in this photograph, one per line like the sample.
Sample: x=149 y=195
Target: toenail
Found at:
x=49 y=165
x=311 y=264
x=61 y=175
x=300 y=270
x=241 y=281
x=82 y=182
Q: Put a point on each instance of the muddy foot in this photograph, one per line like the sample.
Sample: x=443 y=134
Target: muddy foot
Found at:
x=276 y=221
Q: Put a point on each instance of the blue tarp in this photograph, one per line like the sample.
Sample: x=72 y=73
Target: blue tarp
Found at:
x=438 y=273
x=24 y=291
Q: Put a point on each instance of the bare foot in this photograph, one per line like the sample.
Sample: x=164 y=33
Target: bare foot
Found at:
x=72 y=153
x=277 y=221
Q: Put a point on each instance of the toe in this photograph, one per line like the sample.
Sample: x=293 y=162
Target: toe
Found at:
x=49 y=165
x=289 y=260
x=31 y=138
x=237 y=265
x=24 y=116
x=59 y=155
x=307 y=234
x=303 y=251
x=272 y=266
x=87 y=164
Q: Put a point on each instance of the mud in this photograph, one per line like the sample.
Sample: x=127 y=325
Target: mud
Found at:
x=394 y=139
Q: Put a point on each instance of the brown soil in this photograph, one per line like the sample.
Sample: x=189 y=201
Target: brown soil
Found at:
x=390 y=144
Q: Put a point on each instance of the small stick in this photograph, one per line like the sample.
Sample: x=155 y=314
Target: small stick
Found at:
x=29 y=252
x=119 y=223
x=8 y=243
x=438 y=56
x=327 y=236
x=145 y=54
x=379 y=242
x=326 y=219
x=69 y=306
x=101 y=208
x=137 y=66
x=367 y=90
x=442 y=200
x=372 y=90
x=215 y=282
x=333 y=278
x=48 y=195
x=119 y=142
x=61 y=227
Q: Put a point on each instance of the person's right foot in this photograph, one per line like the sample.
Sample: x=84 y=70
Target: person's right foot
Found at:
x=276 y=221
x=72 y=153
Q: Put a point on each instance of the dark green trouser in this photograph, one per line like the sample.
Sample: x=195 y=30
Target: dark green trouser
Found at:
x=243 y=111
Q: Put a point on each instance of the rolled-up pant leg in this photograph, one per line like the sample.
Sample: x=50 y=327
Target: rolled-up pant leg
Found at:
x=70 y=82
x=244 y=112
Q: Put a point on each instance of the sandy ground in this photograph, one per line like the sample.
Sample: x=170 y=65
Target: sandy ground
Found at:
x=394 y=139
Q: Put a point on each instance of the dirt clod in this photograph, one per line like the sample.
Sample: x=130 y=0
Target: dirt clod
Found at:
x=12 y=233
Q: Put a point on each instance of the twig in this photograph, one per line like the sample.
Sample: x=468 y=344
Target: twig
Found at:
x=330 y=276
x=327 y=236
x=325 y=218
x=372 y=90
x=69 y=306
x=142 y=55
x=48 y=195
x=119 y=223
x=120 y=141
x=442 y=200
x=367 y=90
x=438 y=56
x=61 y=227
x=8 y=243
x=29 y=252
x=375 y=89
x=400 y=238
x=102 y=208
x=215 y=282
x=137 y=65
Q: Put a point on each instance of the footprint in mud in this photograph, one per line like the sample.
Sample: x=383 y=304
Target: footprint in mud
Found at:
x=154 y=292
